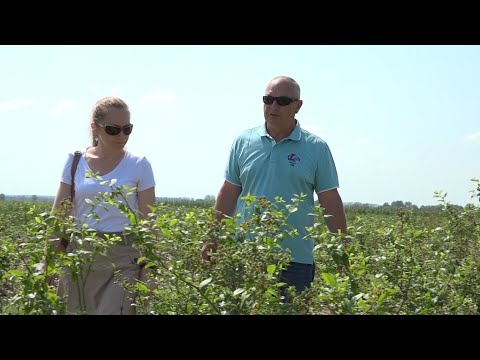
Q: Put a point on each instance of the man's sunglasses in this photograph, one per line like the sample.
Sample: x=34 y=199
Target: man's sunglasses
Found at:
x=115 y=130
x=281 y=100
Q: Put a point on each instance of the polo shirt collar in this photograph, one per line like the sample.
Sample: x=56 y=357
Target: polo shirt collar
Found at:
x=295 y=135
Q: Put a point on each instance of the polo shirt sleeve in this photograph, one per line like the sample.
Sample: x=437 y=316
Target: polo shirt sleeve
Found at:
x=232 y=171
x=326 y=177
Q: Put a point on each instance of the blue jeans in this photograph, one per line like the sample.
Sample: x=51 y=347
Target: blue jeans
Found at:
x=299 y=275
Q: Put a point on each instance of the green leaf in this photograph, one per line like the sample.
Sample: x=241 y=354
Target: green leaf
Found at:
x=381 y=298
x=392 y=291
x=16 y=272
x=271 y=269
x=142 y=287
x=358 y=296
x=238 y=291
x=205 y=282
x=330 y=279
x=167 y=232
x=249 y=199
x=340 y=257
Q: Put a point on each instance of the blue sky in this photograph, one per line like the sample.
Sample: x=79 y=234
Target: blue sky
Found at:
x=401 y=121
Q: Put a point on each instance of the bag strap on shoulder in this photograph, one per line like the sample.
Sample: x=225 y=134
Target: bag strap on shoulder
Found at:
x=76 y=159
x=73 y=170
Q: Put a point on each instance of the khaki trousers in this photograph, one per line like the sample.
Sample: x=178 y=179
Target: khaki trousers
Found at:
x=97 y=290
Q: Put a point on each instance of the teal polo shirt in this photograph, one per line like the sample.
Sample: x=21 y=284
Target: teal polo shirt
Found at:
x=300 y=163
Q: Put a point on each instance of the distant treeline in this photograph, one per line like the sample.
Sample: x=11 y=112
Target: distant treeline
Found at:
x=393 y=206
x=210 y=199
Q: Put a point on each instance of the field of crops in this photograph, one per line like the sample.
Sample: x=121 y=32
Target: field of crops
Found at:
x=397 y=262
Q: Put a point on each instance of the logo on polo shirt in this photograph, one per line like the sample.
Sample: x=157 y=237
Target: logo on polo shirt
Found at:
x=293 y=159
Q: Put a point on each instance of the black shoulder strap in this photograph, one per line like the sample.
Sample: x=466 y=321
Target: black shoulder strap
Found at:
x=76 y=159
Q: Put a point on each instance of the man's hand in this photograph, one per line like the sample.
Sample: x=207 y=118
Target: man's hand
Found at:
x=51 y=280
x=59 y=245
x=208 y=248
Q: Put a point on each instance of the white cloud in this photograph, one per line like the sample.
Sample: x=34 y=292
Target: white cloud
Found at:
x=64 y=106
x=15 y=104
x=165 y=97
x=473 y=137
x=361 y=141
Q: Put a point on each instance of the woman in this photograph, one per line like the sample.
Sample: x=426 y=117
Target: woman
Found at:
x=99 y=292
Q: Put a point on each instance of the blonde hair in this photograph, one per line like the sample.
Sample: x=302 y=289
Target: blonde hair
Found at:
x=101 y=108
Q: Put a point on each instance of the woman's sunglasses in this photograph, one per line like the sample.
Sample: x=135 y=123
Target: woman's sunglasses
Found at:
x=115 y=129
x=281 y=100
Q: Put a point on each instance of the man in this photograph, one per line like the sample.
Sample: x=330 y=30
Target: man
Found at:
x=279 y=158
